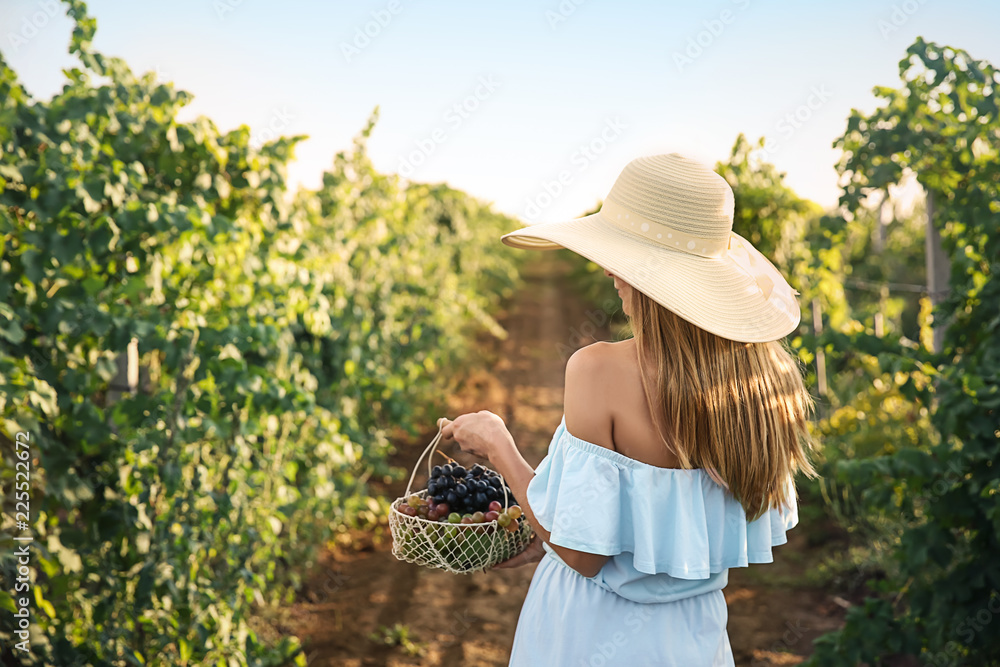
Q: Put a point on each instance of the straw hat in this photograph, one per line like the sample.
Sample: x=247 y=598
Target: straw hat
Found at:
x=666 y=228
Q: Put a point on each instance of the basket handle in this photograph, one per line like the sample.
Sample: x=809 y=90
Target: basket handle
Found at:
x=428 y=450
x=429 y=454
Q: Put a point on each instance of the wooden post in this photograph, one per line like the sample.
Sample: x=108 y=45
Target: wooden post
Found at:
x=820 y=355
x=885 y=212
x=938 y=270
x=885 y=215
x=883 y=298
x=126 y=380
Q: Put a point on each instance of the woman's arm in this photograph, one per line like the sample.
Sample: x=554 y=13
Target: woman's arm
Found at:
x=517 y=473
x=485 y=434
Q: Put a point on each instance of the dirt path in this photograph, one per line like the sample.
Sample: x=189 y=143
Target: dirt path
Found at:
x=469 y=620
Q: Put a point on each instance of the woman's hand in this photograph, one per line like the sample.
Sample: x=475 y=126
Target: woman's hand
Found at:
x=532 y=554
x=480 y=433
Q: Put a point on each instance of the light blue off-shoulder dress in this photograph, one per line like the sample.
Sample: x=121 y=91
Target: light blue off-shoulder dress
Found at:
x=672 y=536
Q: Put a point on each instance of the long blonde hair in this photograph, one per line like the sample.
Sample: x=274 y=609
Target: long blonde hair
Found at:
x=738 y=410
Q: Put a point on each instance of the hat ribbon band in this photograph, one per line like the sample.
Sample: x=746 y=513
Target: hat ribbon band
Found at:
x=661 y=234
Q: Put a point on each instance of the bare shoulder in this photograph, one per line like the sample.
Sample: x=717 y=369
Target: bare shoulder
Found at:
x=591 y=374
x=590 y=358
x=602 y=357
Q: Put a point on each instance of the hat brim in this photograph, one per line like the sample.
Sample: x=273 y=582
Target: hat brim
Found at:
x=717 y=294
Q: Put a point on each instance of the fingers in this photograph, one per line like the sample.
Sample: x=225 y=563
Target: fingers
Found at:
x=448 y=430
x=532 y=554
x=469 y=419
x=519 y=560
x=516 y=561
x=447 y=427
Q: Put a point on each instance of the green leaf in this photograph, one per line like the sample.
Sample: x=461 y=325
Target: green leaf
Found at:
x=7 y=602
x=185 y=649
x=93 y=284
x=44 y=604
x=11 y=328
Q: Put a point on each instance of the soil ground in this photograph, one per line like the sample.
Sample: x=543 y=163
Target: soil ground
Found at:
x=450 y=620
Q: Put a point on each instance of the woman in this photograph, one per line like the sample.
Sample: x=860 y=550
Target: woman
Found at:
x=677 y=449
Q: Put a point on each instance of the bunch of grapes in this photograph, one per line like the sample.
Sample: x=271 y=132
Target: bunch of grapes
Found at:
x=467 y=491
x=457 y=495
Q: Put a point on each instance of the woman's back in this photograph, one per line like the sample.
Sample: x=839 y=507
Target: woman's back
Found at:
x=671 y=535
x=613 y=480
x=617 y=416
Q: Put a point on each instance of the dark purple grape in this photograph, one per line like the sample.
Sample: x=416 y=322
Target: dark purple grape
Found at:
x=452 y=498
x=446 y=470
x=440 y=498
x=480 y=500
x=495 y=482
x=461 y=490
x=458 y=471
x=432 y=487
x=436 y=471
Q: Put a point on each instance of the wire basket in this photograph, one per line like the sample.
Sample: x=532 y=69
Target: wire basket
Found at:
x=454 y=547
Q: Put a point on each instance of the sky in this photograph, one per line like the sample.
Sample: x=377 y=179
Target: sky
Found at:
x=533 y=106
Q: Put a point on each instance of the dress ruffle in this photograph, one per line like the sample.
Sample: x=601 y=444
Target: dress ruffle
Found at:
x=673 y=521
